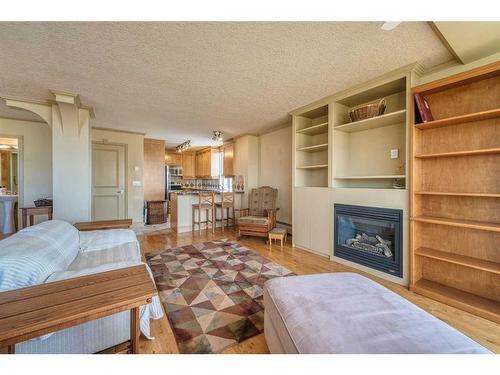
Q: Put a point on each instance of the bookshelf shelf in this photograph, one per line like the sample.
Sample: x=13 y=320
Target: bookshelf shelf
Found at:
x=462 y=119
x=317 y=166
x=314 y=129
x=471 y=224
x=453 y=194
x=396 y=117
x=470 y=302
x=461 y=260
x=314 y=148
x=488 y=151
x=387 y=177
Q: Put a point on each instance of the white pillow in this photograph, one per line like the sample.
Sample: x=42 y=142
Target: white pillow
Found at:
x=30 y=256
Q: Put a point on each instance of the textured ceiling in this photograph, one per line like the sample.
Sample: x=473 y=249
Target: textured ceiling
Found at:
x=178 y=81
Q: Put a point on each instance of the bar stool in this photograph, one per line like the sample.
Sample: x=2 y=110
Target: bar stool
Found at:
x=226 y=203
x=206 y=201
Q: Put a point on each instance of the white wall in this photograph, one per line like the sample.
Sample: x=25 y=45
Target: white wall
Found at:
x=135 y=158
x=36 y=168
x=275 y=168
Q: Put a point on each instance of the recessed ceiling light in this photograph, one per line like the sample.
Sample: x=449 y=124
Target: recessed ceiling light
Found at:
x=391 y=25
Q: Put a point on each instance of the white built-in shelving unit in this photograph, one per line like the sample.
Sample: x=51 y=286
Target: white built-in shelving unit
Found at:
x=362 y=149
x=311 y=147
x=336 y=160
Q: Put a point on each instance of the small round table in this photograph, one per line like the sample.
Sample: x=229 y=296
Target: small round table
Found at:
x=8 y=202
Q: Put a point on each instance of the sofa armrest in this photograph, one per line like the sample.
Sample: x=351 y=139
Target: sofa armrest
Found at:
x=104 y=224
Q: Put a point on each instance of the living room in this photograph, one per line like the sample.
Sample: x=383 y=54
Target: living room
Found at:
x=250 y=187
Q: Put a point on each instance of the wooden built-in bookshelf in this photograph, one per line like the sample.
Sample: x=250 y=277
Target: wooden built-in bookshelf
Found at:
x=455 y=192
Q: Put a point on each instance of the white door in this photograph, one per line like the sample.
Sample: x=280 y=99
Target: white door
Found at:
x=108 y=182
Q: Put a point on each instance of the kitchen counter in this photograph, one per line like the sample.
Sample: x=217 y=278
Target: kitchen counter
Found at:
x=181 y=209
x=196 y=191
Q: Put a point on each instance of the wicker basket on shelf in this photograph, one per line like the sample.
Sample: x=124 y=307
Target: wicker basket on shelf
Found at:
x=365 y=111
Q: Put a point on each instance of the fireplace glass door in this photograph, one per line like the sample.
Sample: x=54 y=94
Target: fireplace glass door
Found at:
x=369 y=236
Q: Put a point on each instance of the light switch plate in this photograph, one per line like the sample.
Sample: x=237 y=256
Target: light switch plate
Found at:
x=394 y=153
x=136 y=183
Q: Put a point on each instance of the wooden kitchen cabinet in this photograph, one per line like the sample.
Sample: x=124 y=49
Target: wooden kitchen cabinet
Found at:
x=173 y=158
x=207 y=163
x=188 y=165
x=228 y=159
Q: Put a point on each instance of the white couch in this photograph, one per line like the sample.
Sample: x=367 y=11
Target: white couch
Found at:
x=56 y=250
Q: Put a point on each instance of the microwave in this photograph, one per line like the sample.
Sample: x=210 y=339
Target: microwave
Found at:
x=175 y=171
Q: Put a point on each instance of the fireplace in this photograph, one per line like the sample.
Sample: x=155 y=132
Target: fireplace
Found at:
x=369 y=236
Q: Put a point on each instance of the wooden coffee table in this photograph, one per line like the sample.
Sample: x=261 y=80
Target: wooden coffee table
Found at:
x=34 y=311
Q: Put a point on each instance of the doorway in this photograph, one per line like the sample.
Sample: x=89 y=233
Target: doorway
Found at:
x=10 y=185
x=109 y=186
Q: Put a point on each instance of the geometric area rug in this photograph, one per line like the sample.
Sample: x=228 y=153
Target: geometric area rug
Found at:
x=212 y=293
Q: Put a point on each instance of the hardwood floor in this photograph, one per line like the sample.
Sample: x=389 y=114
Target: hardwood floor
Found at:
x=302 y=262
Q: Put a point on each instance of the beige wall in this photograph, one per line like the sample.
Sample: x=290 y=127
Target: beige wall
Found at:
x=36 y=159
x=246 y=163
x=71 y=170
x=135 y=166
x=275 y=168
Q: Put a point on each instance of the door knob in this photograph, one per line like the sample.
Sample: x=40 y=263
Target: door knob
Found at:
x=121 y=191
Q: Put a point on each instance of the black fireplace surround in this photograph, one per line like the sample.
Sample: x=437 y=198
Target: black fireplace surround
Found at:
x=370 y=236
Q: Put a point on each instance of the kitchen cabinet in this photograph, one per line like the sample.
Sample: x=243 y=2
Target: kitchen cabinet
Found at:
x=312 y=220
x=207 y=163
x=188 y=165
x=228 y=159
x=173 y=158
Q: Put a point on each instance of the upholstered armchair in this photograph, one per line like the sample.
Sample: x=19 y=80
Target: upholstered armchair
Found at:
x=260 y=216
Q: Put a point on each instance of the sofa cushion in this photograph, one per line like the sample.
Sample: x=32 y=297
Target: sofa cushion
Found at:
x=103 y=239
x=253 y=220
x=127 y=252
x=31 y=255
x=348 y=313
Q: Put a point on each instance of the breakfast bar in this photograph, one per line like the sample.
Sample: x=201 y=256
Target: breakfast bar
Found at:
x=181 y=204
